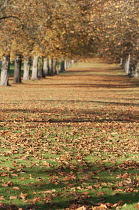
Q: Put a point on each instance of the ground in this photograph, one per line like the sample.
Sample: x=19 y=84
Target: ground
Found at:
x=71 y=141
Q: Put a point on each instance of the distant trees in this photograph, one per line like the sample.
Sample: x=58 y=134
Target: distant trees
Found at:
x=57 y=30
x=117 y=26
x=52 y=29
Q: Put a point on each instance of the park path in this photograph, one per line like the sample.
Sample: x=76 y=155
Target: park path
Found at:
x=85 y=86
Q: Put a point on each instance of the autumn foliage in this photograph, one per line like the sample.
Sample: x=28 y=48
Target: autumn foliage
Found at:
x=70 y=30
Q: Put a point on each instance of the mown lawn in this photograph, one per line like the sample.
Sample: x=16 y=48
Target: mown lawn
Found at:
x=71 y=141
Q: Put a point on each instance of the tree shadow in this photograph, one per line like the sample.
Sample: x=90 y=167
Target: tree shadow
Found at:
x=82 y=184
x=59 y=115
x=84 y=85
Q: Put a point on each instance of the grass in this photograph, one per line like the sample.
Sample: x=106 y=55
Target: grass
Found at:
x=71 y=141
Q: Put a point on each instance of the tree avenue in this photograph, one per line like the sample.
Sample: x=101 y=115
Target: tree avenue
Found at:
x=118 y=27
x=60 y=29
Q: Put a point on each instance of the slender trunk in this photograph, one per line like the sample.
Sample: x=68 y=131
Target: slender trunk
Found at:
x=127 y=65
x=5 y=71
x=57 y=67
x=40 y=67
x=51 y=67
x=17 y=69
x=35 y=68
x=136 y=73
x=26 y=68
x=62 y=66
x=65 y=61
x=67 y=64
x=45 y=66
x=121 y=61
x=54 y=67
x=72 y=62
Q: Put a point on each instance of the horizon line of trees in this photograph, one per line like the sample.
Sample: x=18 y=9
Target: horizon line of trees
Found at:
x=49 y=32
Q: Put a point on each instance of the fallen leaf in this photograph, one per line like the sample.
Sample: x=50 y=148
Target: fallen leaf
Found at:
x=13 y=197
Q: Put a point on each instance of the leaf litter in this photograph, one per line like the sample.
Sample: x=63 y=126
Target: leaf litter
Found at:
x=71 y=146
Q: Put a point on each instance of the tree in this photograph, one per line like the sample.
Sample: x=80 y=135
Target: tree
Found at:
x=17 y=69
x=35 y=68
x=26 y=74
x=40 y=67
x=63 y=29
x=45 y=66
x=5 y=70
x=116 y=24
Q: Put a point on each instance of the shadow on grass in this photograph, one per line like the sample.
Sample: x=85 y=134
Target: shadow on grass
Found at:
x=83 y=85
x=77 y=101
x=57 y=115
x=81 y=184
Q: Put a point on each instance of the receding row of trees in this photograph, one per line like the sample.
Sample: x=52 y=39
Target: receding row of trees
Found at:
x=38 y=68
x=56 y=30
x=34 y=29
x=119 y=39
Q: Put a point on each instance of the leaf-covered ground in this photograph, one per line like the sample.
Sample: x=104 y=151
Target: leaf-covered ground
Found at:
x=71 y=141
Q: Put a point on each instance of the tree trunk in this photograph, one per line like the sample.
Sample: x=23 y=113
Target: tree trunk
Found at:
x=17 y=70
x=72 y=62
x=121 y=61
x=26 y=68
x=35 y=68
x=58 y=67
x=51 y=67
x=62 y=66
x=136 y=73
x=45 y=66
x=40 y=68
x=54 y=67
x=65 y=61
x=5 y=71
x=127 y=65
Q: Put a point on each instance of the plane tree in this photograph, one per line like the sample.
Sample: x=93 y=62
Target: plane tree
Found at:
x=117 y=27
x=54 y=29
x=59 y=30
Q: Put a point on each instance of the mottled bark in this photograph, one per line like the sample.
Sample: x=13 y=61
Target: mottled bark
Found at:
x=17 y=69
x=51 y=67
x=127 y=65
x=54 y=67
x=62 y=66
x=35 y=68
x=26 y=74
x=45 y=66
x=5 y=71
x=40 y=68
x=136 y=73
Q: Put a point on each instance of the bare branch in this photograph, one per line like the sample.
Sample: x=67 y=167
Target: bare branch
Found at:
x=10 y=16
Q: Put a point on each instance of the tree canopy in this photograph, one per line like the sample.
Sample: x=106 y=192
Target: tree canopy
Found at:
x=73 y=28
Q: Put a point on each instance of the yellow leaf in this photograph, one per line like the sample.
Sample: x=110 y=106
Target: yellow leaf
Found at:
x=2 y=198
x=13 y=197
